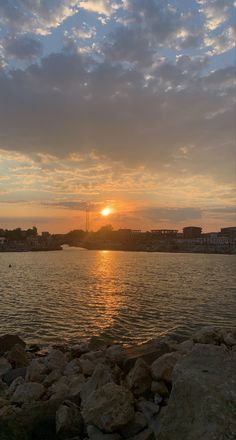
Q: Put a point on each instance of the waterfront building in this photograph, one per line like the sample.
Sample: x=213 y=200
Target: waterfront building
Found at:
x=192 y=232
x=229 y=232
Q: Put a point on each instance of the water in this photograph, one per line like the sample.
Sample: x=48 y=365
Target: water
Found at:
x=128 y=296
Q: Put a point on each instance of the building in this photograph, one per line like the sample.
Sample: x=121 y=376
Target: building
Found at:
x=228 y=232
x=165 y=233
x=192 y=232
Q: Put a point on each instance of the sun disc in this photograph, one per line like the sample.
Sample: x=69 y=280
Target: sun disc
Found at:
x=105 y=211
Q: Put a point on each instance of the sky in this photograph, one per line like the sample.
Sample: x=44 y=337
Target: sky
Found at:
x=127 y=104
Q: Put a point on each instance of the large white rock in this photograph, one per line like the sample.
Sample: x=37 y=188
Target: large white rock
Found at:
x=27 y=393
x=203 y=398
x=162 y=368
x=109 y=408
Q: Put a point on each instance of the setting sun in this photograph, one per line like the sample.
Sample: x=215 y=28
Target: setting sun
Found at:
x=106 y=211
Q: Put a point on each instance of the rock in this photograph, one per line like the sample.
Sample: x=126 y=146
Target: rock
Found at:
x=16 y=382
x=109 y=408
x=87 y=366
x=73 y=367
x=207 y=335
x=95 y=434
x=150 y=411
x=147 y=434
x=79 y=349
x=4 y=402
x=60 y=389
x=228 y=337
x=149 y=351
x=18 y=357
x=75 y=384
x=136 y=425
x=33 y=348
x=160 y=388
x=5 y=366
x=35 y=421
x=7 y=342
x=101 y=376
x=148 y=408
x=157 y=399
x=55 y=360
x=27 y=393
x=3 y=389
x=115 y=354
x=162 y=368
x=203 y=398
x=52 y=377
x=36 y=371
x=93 y=356
x=68 y=420
x=185 y=346
x=139 y=378
x=13 y=374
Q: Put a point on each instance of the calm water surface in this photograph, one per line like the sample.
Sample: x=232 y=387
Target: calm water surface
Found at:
x=128 y=296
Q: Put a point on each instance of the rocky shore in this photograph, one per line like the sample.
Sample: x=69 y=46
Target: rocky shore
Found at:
x=162 y=390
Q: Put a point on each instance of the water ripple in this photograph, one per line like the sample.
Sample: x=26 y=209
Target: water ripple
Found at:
x=129 y=297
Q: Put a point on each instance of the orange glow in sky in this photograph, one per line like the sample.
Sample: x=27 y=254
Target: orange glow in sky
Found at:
x=106 y=211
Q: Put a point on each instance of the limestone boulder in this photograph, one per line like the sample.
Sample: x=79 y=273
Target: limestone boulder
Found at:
x=95 y=434
x=17 y=356
x=75 y=385
x=115 y=354
x=5 y=366
x=160 y=388
x=109 y=408
x=33 y=421
x=139 y=378
x=27 y=393
x=7 y=342
x=55 y=360
x=136 y=425
x=203 y=398
x=59 y=389
x=36 y=371
x=207 y=335
x=101 y=376
x=87 y=366
x=68 y=420
x=13 y=374
x=163 y=367
x=73 y=367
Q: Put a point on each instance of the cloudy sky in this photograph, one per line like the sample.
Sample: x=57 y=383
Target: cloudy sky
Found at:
x=127 y=104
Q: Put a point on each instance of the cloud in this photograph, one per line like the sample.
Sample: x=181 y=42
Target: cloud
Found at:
x=222 y=42
x=174 y=215
x=104 y=7
x=38 y=17
x=21 y=47
x=63 y=105
x=215 y=11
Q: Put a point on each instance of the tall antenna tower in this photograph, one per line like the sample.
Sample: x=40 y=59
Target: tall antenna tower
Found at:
x=87 y=219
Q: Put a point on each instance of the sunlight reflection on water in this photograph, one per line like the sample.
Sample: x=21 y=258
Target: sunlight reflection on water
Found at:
x=127 y=296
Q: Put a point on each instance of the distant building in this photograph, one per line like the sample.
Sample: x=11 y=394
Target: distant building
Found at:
x=45 y=234
x=171 y=233
x=2 y=240
x=192 y=232
x=229 y=232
